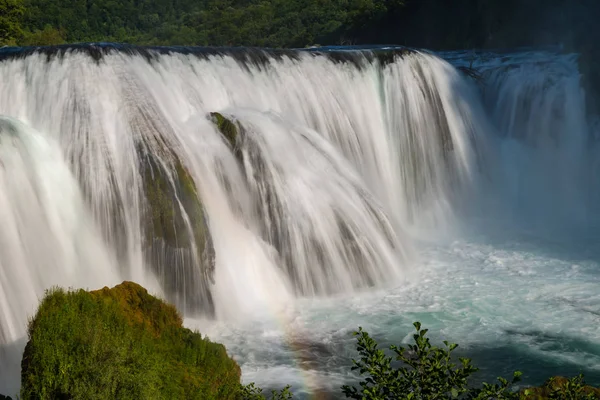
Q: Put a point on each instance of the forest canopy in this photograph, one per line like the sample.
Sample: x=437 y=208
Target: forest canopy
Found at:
x=433 y=24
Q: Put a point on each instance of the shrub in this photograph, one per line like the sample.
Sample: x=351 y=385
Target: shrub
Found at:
x=560 y=388
x=426 y=372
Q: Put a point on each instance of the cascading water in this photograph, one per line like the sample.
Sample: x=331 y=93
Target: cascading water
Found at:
x=48 y=236
x=539 y=111
x=241 y=185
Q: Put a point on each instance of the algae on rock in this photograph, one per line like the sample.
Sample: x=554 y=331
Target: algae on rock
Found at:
x=230 y=130
x=226 y=127
x=120 y=343
x=176 y=229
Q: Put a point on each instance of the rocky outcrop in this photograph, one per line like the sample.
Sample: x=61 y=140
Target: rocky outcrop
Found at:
x=178 y=241
x=227 y=127
x=120 y=343
x=175 y=237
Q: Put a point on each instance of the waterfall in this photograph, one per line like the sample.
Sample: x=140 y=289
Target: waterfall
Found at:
x=231 y=181
x=545 y=143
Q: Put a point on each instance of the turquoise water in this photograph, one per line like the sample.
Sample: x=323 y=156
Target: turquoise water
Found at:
x=512 y=302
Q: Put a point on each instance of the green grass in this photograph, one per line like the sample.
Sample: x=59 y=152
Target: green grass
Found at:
x=120 y=343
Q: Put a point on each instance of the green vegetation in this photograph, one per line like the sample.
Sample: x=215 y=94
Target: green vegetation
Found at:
x=227 y=128
x=230 y=131
x=425 y=372
x=124 y=343
x=297 y=23
x=274 y=23
x=120 y=343
x=166 y=219
x=11 y=15
x=432 y=24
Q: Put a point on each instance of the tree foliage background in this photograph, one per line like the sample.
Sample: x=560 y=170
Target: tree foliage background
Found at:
x=296 y=23
x=433 y=24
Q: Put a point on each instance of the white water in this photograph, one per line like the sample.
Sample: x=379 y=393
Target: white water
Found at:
x=399 y=176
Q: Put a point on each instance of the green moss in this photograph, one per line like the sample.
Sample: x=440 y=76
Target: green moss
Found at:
x=120 y=343
x=190 y=198
x=228 y=129
x=167 y=221
x=164 y=189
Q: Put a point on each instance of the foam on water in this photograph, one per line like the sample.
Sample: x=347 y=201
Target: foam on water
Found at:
x=512 y=304
x=47 y=238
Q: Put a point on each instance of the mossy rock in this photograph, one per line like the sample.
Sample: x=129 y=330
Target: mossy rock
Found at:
x=162 y=194
x=230 y=130
x=176 y=229
x=561 y=387
x=226 y=127
x=120 y=343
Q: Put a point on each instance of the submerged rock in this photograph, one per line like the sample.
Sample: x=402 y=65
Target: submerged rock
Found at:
x=176 y=240
x=230 y=131
x=226 y=127
x=120 y=343
x=176 y=229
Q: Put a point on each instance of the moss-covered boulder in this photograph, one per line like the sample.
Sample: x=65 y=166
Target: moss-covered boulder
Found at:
x=120 y=343
x=230 y=130
x=227 y=127
x=178 y=242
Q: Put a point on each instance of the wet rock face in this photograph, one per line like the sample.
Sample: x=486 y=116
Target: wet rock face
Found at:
x=228 y=128
x=177 y=239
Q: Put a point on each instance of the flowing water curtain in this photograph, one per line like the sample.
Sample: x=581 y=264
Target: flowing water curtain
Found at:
x=48 y=236
x=330 y=232
x=144 y=172
x=437 y=129
x=546 y=143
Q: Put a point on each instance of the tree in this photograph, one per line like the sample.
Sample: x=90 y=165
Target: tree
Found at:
x=11 y=15
x=47 y=37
